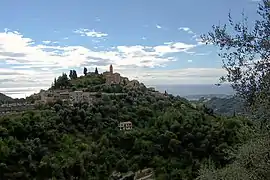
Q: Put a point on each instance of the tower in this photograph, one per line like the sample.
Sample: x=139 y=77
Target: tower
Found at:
x=111 y=69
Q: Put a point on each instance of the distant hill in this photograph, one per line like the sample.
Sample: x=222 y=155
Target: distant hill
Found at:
x=185 y=90
x=207 y=96
x=223 y=105
x=5 y=98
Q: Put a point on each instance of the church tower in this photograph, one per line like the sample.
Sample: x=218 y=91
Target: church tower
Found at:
x=111 y=69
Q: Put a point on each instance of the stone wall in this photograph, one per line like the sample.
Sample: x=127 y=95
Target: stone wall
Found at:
x=18 y=108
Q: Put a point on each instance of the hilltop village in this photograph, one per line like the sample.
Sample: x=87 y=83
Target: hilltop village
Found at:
x=70 y=95
x=86 y=88
x=78 y=90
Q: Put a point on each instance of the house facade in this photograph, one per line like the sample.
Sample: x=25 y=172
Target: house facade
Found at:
x=125 y=126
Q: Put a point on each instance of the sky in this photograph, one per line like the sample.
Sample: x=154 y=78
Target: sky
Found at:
x=154 y=41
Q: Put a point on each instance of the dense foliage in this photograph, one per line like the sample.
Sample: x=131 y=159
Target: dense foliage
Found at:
x=245 y=55
x=224 y=106
x=252 y=162
x=84 y=142
x=62 y=81
x=91 y=82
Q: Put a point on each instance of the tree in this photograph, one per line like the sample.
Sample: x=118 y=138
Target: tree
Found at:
x=55 y=83
x=71 y=74
x=85 y=71
x=61 y=81
x=245 y=57
x=96 y=71
x=121 y=165
x=74 y=74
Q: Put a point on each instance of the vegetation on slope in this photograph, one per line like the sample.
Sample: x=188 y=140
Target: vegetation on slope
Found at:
x=91 y=82
x=245 y=54
x=224 y=106
x=251 y=162
x=84 y=142
x=169 y=134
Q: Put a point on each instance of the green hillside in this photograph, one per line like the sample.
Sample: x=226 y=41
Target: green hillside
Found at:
x=84 y=141
x=224 y=106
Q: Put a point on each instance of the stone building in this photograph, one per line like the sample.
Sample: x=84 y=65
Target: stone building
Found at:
x=64 y=95
x=46 y=96
x=52 y=96
x=9 y=108
x=125 y=125
x=112 y=78
x=80 y=96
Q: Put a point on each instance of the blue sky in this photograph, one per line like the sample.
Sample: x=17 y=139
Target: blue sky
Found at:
x=156 y=42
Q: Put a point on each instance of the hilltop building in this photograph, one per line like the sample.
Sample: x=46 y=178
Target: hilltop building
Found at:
x=111 y=77
x=51 y=96
x=64 y=95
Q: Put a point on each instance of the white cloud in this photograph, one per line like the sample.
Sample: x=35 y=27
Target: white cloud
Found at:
x=97 y=19
x=195 y=36
x=186 y=29
x=46 y=42
x=190 y=60
x=49 y=42
x=200 y=41
x=90 y=33
x=29 y=66
x=158 y=26
x=176 y=76
x=173 y=47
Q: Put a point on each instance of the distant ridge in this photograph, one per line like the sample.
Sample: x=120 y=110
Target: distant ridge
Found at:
x=185 y=90
x=5 y=98
x=208 y=96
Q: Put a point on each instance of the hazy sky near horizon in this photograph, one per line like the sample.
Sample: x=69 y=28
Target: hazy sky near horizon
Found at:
x=156 y=42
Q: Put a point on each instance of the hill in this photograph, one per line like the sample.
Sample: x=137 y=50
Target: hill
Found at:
x=187 y=90
x=5 y=98
x=207 y=96
x=228 y=106
x=84 y=141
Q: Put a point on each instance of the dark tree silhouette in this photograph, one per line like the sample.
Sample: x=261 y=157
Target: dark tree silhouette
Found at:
x=74 y=74
x=96 y=71
x=71 y=74
x=85 y=71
